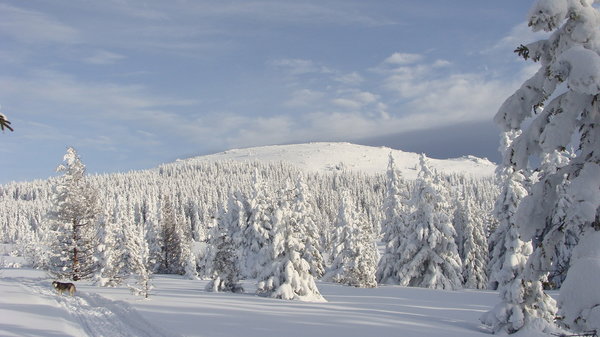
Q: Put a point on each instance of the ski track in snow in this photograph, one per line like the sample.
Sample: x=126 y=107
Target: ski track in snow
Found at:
x=102 y=317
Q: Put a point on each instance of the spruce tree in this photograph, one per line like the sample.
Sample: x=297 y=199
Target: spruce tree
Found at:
x=73 y=221
x=355 y=262
x=112 y=249
x=226 y=262
x=303 y=217
x=395 y=209
x=139 y=259
x=557 y=117
x=287 y=273
x=257 y=226
x=429 y=256
x=474 y=246
x=172 y=240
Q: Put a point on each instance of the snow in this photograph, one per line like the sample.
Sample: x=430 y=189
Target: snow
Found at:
x=331 y=157
x=181 y=307
x=583 y=274
x=581 y=68
x=178 y=306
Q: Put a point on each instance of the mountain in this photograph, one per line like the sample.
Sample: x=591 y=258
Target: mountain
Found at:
x=331 y=157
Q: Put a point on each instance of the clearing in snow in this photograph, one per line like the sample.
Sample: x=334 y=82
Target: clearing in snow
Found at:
x=180 y=307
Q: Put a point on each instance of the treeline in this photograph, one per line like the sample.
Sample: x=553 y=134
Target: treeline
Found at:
x=179 y=210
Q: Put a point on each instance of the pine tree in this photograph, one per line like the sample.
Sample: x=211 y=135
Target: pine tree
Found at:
x=505 y=244
x=112 y=250
x=355 y=262
x=226 y=263
x=172 y=240
x=474 y=246
x=429 y=253
x=287 y=274
x=569 y=119
x=303 y=219
x=394 y=224
x=257 y=226
x=518 y=293
x=73 y=222
x=154 y=234
x=139 y=256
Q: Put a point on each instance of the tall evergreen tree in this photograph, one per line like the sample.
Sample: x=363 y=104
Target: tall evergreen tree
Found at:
x=569 y=118
x=257 y=226
x=139 y=259
x=474 y=246
x=112 y=250
x=287 y=275
x=355 y=262
x=505 y=244
x=226 y=262
x=429 y=253
x=395 y=209
x=73 y=220
x=172 y=239
x=302 y=217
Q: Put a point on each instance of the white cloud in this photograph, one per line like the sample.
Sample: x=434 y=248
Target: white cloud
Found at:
x=346 y=103
x=300 y=66
x=304 y=98
x=519 y=34
x=351 y=79
x=355 y=99
x=104 y=57
x=35 y=27
x=403 y=58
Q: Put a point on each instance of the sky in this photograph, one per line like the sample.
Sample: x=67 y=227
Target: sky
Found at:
x=132 y=84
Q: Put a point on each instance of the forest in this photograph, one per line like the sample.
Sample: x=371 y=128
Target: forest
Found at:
x=181 y=217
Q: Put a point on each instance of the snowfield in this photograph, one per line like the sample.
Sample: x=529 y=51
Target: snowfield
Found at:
x=180 y=307
x=331 y=157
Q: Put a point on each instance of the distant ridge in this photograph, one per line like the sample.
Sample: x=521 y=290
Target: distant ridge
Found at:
x=331 y=157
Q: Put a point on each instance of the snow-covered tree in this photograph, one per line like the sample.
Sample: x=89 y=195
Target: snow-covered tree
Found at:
x=395 y=209
x=569 y=119
x=139 y=256
x=474 y=245
x=257 y=226
x=505 y=244
x=173 y=260
x=154 y=233
x=303 y=218
x=518 y=293
x=287 y=276
x=355 y=262
x=73 y=221
x=429 y=256
x=112 y=249
x=225 y=263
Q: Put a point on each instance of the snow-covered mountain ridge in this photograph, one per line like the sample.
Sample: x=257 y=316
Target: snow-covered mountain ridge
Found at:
x=331 y=157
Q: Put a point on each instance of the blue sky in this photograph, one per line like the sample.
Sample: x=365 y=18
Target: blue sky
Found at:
x=132 y=84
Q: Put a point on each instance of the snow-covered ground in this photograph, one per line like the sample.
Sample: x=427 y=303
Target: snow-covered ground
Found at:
x=179 y=307
x=336 y=156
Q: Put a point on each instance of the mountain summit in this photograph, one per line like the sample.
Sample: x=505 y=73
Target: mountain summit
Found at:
x=331 y=157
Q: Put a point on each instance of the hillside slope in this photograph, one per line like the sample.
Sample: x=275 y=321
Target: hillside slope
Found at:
x=329 y=157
